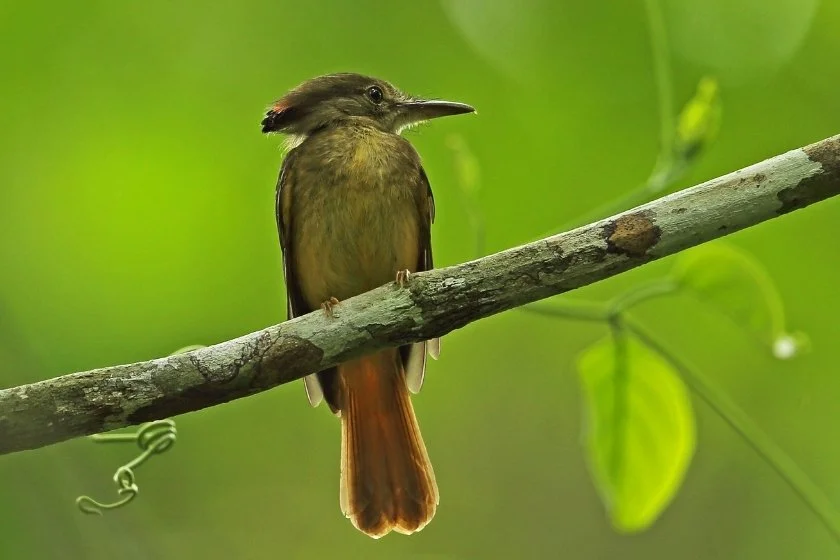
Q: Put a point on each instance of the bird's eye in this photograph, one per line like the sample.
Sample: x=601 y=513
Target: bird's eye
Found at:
x=374 y=93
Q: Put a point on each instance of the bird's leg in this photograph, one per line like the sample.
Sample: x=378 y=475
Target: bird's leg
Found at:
x=403 y=277
x=327 y=306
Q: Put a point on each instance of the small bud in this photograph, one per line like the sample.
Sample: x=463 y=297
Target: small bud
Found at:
x=790 y=345
x=784 y=347
x=699 y=120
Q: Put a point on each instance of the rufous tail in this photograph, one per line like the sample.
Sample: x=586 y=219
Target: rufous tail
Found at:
x=387 y=481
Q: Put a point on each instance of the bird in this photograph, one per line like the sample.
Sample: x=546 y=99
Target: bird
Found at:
x=354 y=211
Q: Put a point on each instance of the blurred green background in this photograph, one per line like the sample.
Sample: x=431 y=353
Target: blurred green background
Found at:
x=136 y=217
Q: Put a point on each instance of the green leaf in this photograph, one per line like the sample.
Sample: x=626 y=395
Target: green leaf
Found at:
x=735 y=285
x=639 y=429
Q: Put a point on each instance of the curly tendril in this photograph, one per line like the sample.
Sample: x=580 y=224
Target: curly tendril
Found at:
x=152 y=438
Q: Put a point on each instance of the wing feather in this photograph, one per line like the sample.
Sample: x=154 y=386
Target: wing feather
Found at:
x=294 y=301
x=414 y=355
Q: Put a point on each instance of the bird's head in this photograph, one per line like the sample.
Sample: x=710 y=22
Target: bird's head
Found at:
x=333 y=98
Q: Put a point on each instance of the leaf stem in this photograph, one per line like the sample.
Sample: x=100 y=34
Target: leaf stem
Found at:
x=642 y=293
x=620 y=404
x=662 y=74
x=592 y=311
x=572 y=309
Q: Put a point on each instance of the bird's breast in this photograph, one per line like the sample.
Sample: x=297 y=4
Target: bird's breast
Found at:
x=355 y=216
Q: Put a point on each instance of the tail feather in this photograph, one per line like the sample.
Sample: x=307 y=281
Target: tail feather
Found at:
x=387 y=481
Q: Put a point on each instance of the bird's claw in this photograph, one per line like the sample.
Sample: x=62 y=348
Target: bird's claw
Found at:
x=403 y=277
x=327 y=306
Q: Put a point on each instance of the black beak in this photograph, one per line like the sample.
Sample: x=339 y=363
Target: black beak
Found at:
x=417 y=111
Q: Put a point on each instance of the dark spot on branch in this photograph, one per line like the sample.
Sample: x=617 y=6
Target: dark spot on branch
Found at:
x=823 y=184
x=632 y=235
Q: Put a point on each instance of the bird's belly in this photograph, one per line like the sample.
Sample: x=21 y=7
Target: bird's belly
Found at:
x=354 y=240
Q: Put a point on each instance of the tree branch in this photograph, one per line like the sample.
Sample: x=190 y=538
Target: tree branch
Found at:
x=433 y=304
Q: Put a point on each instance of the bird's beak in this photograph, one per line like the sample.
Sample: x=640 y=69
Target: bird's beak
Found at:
x=420 y=110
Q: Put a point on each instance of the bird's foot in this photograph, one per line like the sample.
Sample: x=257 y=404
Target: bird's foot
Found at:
x=328 y=305
x=403 y=278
